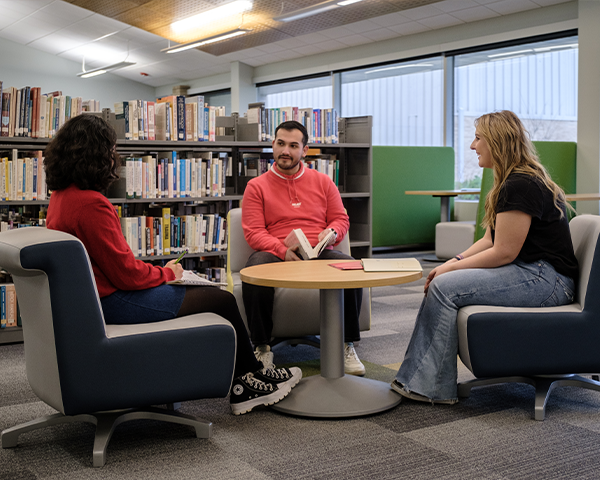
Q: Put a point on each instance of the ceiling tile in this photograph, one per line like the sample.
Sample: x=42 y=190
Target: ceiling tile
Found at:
x=24 y=7
x=441 y=21
x=354 y=40
x=410 y=28
x=506 y=7
x=309 y=50
x=314 y=38
x=391 y=20
x=380 y=35
x=363 y=26
x=422 y=12
x=476 y=13
x=337 y=32
x=448 y=6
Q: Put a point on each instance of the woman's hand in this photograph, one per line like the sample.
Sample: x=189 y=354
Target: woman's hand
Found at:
x=176 y=267
x=439 y=270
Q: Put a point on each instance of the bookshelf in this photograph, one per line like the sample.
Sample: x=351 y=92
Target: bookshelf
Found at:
x=355 y=182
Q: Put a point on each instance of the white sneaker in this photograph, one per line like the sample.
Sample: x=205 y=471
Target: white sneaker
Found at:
x=352 y=365
x=264 y=354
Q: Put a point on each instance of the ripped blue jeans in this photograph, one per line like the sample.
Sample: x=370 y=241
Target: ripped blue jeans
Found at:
x=430 y=364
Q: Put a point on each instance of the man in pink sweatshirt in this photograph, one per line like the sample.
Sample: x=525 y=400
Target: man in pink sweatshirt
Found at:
x=292 y=196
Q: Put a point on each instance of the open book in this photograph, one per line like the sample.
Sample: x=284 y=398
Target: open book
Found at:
x=191 y=278
x=391 y=265
x=306 y=251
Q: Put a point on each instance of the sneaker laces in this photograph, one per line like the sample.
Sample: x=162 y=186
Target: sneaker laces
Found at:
x=350 y=353
x=276 y=373
x=256 y=383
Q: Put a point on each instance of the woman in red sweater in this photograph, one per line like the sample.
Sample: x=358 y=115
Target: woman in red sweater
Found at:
x=81 y=162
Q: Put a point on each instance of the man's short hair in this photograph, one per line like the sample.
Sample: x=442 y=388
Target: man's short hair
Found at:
x=294 y=125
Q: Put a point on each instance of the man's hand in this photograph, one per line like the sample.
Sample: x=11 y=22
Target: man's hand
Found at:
x=325 y=232
x=290 y=254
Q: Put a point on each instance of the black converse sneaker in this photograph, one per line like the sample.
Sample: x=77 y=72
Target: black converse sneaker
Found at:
x=278 y=376
x=248 y=392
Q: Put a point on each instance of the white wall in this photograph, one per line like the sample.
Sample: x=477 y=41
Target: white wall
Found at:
x=24 y=66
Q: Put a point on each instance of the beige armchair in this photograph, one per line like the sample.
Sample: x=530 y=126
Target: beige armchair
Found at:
x=296 y=313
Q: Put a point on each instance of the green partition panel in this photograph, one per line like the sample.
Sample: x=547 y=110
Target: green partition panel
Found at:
x=559 y=158
x=400 y=219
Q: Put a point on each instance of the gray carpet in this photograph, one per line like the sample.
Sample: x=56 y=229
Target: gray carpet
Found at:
x=490 y=435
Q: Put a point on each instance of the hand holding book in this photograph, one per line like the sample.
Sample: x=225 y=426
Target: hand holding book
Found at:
x=305 y=250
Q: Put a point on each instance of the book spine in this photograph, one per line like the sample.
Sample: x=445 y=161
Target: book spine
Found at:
x=166 y=228
x=180 y=117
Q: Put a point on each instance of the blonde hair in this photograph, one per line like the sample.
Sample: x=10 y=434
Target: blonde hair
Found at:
x=512 y=152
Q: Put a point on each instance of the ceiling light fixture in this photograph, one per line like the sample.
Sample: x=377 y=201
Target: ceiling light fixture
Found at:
x=100 y=70
x=314 y=10
x=205 y=41
x=210 y=16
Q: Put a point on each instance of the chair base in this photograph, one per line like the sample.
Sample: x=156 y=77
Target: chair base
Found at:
x=543 y=384
x=311 y=340
x=106 y=422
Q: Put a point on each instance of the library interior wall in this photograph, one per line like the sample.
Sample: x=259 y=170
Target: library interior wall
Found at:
x=25 y=66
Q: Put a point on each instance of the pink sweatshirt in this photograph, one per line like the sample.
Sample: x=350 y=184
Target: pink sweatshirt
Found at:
x=274 y=204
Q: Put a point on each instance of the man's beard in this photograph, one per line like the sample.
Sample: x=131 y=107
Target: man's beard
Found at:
x=288 y=167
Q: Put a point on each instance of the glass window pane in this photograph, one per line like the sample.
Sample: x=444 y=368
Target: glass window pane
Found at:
x=405 y=100
x=221 y=98
x=308 y=93
x=537 y=81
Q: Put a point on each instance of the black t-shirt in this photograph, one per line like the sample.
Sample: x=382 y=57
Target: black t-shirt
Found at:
x=549 y=237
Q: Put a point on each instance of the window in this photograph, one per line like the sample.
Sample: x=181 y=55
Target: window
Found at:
x=220 y=98
x=537 y=81
x=305 y=93
x=405 y=100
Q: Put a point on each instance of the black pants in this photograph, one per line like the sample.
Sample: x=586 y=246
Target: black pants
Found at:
x=221 y=302
x=258 y=301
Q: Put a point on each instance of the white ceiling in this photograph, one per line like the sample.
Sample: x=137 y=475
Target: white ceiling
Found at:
x=71 y=32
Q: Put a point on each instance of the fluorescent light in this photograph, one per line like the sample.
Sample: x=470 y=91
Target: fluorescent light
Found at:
x=205 y=41
x=105 y=69
x=313 y=10
x=509 y=53
x=209 y=16
x=399 y=67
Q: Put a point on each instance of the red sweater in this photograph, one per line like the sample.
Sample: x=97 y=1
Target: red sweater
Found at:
x=274 y=204
x=89 y=216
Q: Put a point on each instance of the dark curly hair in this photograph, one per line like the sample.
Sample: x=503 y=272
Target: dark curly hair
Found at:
x=82 y=152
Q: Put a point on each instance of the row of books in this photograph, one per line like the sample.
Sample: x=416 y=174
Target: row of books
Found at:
x=255 y=164
x=165 y=175
x=23 y=177
x=27 y=112
x=10 y=315
x=169 y=234
x=321 y=123
x=174 y=117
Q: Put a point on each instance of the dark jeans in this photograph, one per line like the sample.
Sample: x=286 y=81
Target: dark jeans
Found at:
x=169 y=301
x=258 y=301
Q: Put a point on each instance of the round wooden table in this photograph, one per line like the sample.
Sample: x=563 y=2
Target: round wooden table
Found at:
x=331 y=394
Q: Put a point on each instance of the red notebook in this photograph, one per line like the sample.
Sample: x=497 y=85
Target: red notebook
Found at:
x=354 y=265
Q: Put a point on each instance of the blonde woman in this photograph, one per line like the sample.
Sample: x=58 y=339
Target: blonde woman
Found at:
x=525 y=258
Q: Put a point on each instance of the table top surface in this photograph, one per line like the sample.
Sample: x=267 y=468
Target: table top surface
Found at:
x=443 y=193
x=318 y=274
x=571 y=197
